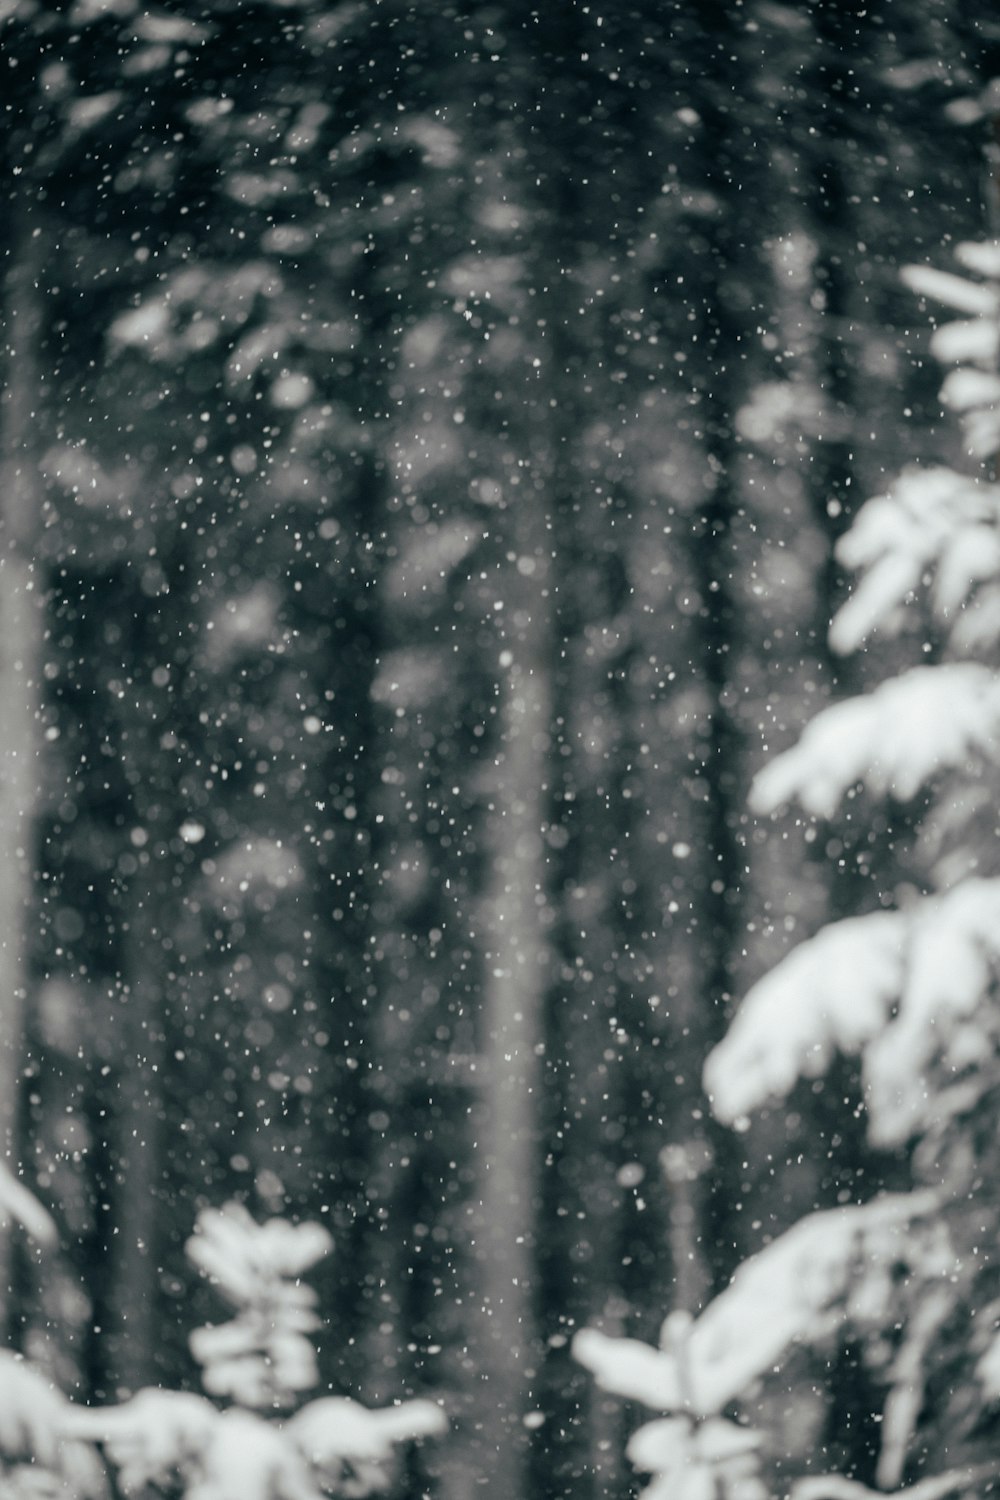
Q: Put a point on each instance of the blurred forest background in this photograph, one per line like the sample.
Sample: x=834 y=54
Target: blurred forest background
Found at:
x=425 y=433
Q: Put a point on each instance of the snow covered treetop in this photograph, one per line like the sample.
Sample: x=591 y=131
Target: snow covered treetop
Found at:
x=262 y=1357
x=935 y=521
x=238 y=1254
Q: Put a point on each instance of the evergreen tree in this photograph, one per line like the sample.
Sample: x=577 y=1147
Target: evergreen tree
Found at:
x=904 y=1280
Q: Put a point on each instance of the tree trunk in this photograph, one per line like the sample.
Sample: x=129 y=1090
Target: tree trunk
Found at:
x=21 y=631
x=516 y=980
x=139 y=1149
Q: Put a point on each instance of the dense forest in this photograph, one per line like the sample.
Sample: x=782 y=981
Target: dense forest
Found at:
x=450 y=454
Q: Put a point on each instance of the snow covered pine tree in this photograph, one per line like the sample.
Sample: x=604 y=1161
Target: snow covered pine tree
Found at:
x=261 y=1361
x=177 y=1444
x=910 y=1278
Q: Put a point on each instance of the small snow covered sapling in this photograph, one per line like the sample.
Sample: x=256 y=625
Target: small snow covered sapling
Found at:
x=262 y=1361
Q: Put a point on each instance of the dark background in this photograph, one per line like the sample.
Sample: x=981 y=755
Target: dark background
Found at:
x=425 y=433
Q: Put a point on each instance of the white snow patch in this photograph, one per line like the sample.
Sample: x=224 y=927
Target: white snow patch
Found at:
x=251 y=864
x=440 y=145
x=349 y=1449
x=964 y=388
x=831 y=993
x=17 y=1203
x=972 y=340
x=410 y=677
x=954 y=291
x=151 y=1438
x=245 y=622
x=428 y=557
x=896 y=538
x=894 y=739
x=952 y=956
x=291 y=390
x=983 y=256
x=903 y=989
x=83 y=113
x=696 y=1462
x=145 y=323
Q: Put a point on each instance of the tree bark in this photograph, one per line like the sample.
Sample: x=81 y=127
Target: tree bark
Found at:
x=516 y=979
x=21 y=633
x=139 y=1148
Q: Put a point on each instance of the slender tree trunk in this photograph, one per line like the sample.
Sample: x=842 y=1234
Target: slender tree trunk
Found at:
x=517 y=976
x=148 y=964
x=21 y=631
x=139 y=1152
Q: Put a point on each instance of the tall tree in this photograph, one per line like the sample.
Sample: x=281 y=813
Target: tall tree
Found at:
x=22 y=627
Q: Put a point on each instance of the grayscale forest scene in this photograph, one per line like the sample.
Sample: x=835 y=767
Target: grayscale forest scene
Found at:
x=500 y=749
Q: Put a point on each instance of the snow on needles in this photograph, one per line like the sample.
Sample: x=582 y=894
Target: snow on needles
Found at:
x=262 y=1356
x=931 y=520
x=955 y=291
x=150 y=1438
x=894 y=739
x=351 y=1449
x=333 y=1446
x=38 y=1455
x=832 y=993
x=903 y=989
x=712 y=1459
x=795 y=1288
x=970 y=391
x=952 y=956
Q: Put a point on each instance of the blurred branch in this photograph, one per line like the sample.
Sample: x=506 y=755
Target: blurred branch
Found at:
x=836 y=1487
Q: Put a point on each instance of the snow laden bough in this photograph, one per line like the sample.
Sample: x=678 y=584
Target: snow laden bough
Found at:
x=895 y=739
x=932 y=523
x=812 y=1284
x=39 y=1456
x=333 y=1447
x=907 y=991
